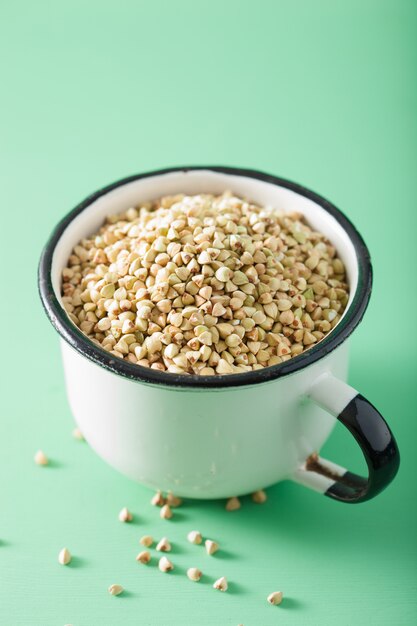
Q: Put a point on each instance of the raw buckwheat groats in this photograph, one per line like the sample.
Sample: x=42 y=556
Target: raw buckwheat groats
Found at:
x=64 y=557
x=40 y=458
x=115 y=590
x=205 y=285
x=275 y=597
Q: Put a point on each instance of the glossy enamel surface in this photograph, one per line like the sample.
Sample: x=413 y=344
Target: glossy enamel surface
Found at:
x=200 y=443
x=203 y=437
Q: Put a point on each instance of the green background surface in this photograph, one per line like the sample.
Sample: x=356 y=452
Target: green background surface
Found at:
x=323 y=93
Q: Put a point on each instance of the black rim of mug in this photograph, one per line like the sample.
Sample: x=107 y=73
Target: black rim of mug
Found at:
x=80 y=342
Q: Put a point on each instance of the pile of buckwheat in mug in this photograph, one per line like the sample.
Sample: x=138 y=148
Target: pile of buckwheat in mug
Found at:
x=205 y=285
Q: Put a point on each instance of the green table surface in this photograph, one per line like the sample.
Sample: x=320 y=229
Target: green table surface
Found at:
x=323 y=93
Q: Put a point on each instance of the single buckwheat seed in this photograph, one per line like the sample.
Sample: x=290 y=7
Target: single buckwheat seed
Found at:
x=211 y=546
x=221 y=584
x=40 y=458
x=194 y=536
x=115 y=590
x=64 y=557
x=233 y=504
x=146 y=541
x=163 y=545
x=158 y=499
x=275 y=597
x=165 y=564
x=259 y=496
x=172 y=500
x=166 y=512
x=144 y=557
x=125 y=515
x=194 y=574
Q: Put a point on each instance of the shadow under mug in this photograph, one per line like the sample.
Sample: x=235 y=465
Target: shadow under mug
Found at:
x=217 y=436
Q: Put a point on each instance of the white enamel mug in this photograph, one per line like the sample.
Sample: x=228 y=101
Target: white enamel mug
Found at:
x=218 y=436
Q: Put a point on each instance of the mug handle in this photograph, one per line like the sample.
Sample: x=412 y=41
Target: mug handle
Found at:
x=371 y=432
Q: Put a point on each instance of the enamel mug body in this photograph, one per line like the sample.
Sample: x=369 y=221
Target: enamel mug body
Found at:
x=218 y=436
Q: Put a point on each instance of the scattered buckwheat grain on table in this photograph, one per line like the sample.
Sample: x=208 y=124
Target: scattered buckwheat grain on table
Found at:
x=275 y=598
x=194 y=574
x=64 y=557
x=115 y=590
x=205 y=285
x=194 y=536
x=158 y=499
x=163 y=545
x=125 y=515
x=166 y=512
x=211 y=546
x=233 y=504
x=146 y=541
x=144 y=557
x=172 y=500
x=165 y=564
x=221 y=584
x=40 y=458
x=259 y=497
